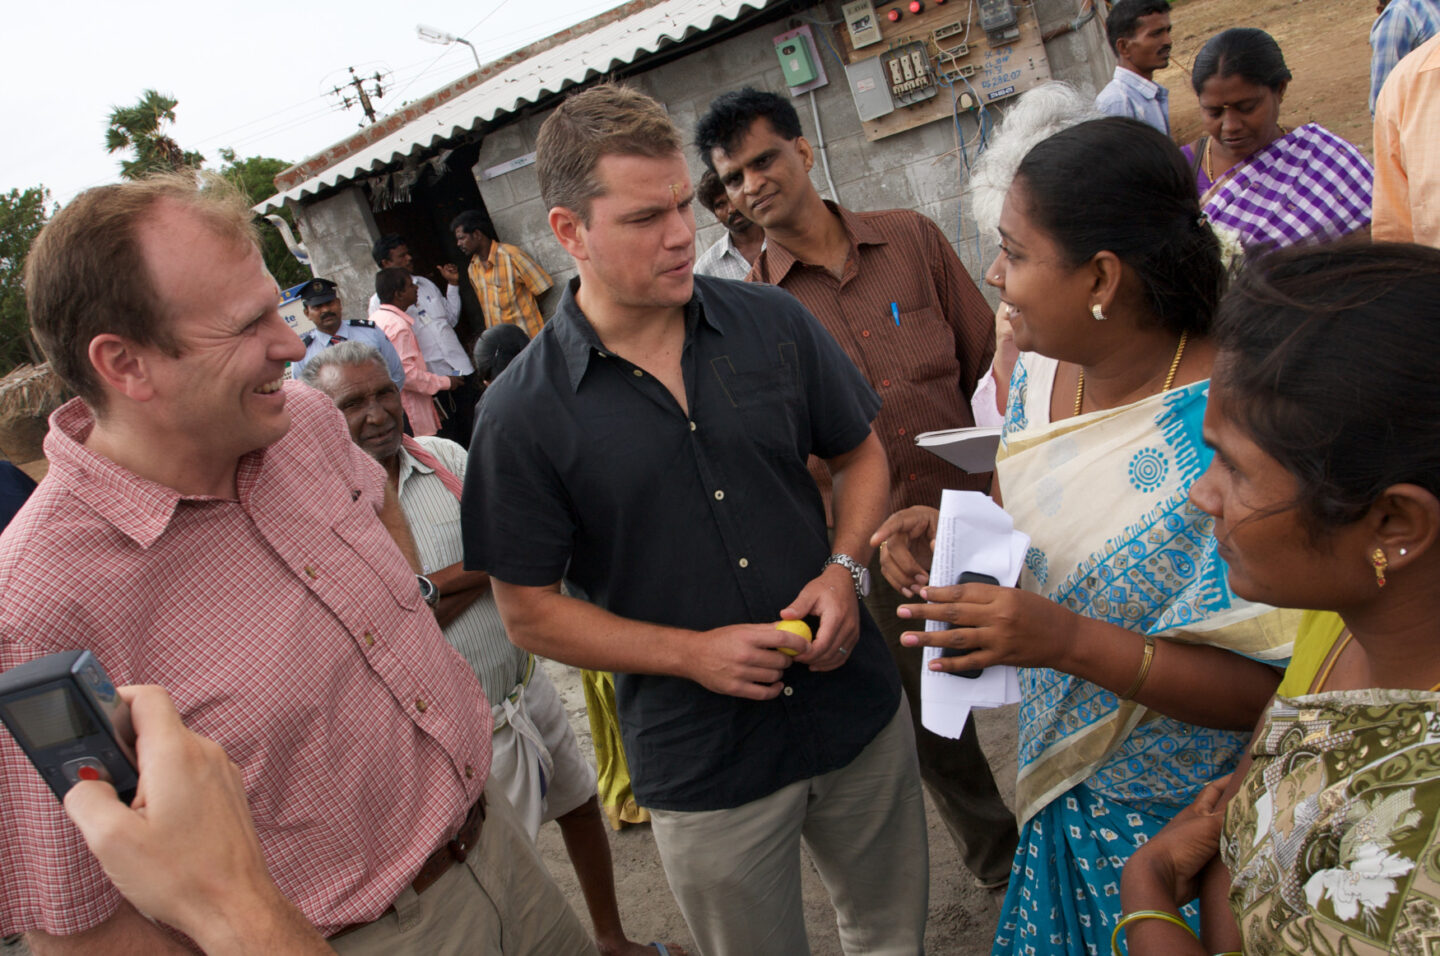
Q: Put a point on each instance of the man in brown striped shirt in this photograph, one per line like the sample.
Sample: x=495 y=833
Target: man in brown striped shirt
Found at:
x=890 y=289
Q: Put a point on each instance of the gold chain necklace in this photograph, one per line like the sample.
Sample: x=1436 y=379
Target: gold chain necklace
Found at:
x=1169 y=377
x=1209 y=140
x=1335 y=656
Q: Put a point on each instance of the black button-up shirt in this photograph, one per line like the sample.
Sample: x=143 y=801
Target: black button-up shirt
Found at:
x=584 y=466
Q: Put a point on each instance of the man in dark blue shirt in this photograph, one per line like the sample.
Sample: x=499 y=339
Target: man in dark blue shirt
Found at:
x=15 y=488
x=650 y=448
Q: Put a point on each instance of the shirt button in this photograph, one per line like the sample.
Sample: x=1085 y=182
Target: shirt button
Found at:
x=420 y=704
x=310 y=571
x=912 y=477
x=744 y=562
x=789 y=691
x=692 y=426
x=885 y=382
x=638 y=374
x=900 y=430
x=369 y=639
x=864 y=333
x=469 y=772
x=719 y=496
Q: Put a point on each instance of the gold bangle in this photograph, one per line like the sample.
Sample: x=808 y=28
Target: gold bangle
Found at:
x=1138 y=915
x=1144 y=670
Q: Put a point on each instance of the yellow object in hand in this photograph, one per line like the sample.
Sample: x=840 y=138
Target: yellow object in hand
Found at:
x=794 y=627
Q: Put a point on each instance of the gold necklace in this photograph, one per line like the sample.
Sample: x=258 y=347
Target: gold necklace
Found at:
x=1209 y=140
x=1335 y=656
x=1169 y=377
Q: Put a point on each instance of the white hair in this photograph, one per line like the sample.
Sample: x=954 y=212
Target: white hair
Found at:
x=1037 y=115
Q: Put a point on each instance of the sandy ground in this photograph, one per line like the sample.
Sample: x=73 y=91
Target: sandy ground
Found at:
x=962 y=916
x=1326 y=45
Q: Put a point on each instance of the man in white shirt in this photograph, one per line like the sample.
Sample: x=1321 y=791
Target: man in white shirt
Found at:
x=435 y=316
x=730 y=256
x=1139 y=33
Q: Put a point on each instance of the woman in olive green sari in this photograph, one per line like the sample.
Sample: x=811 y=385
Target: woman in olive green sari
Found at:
x=1325 y=416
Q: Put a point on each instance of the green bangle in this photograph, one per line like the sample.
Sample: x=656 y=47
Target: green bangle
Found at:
x=1137 y=916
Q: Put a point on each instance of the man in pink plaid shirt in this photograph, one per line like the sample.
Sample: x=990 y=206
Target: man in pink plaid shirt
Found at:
x=208 y=526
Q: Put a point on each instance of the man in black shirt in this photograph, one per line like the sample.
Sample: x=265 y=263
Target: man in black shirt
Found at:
x=650 y=448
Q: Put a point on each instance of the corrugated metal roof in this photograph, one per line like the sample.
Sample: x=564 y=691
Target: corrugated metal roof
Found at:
x=594 y=53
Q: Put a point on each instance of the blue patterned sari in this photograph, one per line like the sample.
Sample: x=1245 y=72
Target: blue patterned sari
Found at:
x=1105 y=499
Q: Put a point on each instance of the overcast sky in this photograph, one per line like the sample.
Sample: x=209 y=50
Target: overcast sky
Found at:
x=253 y=77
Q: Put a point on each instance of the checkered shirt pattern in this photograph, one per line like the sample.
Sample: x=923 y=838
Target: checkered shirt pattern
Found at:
x=1400 y=28
x=1307 y=186
x=285 y=624
x=723 y=261
x=507 y=283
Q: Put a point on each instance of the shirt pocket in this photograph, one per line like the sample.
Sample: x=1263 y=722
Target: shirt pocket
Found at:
x=767 y=402
x=374 y=551
x=930 y=346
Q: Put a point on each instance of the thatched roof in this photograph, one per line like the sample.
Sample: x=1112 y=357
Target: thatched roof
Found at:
x=30 y=391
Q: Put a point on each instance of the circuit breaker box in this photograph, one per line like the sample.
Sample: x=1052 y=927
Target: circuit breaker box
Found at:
x=796 y=62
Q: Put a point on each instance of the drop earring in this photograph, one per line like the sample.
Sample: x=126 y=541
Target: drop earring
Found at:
x=1380 y=563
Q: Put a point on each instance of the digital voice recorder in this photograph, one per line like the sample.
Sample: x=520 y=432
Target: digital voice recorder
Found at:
x=65 y=714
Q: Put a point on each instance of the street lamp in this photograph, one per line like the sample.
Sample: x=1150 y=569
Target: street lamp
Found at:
x=432 y=35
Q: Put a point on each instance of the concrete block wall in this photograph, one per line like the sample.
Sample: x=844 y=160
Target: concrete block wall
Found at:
x=339 y=231
x=919 y=169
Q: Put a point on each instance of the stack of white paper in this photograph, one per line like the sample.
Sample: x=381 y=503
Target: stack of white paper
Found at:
x=974 y=534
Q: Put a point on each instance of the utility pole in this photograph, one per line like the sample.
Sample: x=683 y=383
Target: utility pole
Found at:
x=362 y=96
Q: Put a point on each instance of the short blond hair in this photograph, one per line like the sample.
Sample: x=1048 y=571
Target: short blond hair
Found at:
x=607 y=120
x=86 y=274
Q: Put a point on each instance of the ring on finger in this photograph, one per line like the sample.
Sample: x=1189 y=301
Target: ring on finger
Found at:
x=843 y=650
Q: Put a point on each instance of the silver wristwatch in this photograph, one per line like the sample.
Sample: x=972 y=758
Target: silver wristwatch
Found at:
x=858 y=572
x=428 y=591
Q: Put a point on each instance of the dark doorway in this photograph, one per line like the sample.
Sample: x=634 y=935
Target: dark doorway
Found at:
x=424 y=221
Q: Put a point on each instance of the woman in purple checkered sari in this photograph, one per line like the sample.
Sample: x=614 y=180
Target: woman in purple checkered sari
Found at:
x=1265 y=186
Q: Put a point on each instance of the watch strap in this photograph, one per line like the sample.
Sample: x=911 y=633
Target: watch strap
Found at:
x=858 y=571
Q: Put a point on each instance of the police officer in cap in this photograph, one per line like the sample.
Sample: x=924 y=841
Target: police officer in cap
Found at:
x=322 y=308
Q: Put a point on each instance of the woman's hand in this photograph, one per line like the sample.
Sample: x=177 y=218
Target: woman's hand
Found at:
x=996 y=625
x=907 y=542
x=1168 y=866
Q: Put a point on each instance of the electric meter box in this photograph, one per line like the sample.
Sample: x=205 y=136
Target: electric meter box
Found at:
x=796 y=62
x=862 y=23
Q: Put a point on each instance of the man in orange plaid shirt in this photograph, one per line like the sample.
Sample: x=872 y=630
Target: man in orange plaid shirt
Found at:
x=507 y=282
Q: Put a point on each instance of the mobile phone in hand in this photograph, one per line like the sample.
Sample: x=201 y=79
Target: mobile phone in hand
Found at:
x=969 y=577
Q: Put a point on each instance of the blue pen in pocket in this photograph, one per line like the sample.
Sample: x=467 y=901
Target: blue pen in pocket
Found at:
x=895 y=313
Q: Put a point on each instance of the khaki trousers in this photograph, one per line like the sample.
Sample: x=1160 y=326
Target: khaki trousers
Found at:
x=736 y=873
x=500 y=902
x=955 y=771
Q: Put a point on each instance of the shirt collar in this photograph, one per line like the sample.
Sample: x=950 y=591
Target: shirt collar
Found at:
x=579 y=342
x=409 y=466
x=405 y=316
x=776 y=260
x=138 y=508
x=1146 y=88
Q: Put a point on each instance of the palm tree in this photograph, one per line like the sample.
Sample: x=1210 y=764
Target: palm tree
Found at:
x=142 y=128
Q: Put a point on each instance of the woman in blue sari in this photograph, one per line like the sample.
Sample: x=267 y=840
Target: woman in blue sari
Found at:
x=1140 y=670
